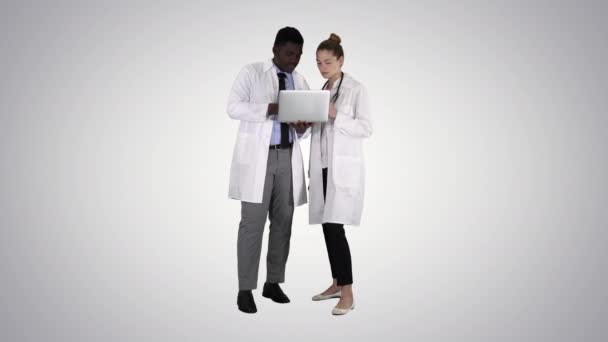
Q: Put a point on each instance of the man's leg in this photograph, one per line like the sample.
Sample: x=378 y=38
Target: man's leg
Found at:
x=251 y=231
x=281 y=215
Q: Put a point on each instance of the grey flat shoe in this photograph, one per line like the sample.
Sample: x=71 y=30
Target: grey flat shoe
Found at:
x=329 y=296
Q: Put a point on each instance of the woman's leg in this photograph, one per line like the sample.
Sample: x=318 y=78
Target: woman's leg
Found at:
x=338 y=248
x=333 y=288
x=330 y=250
x=343 y=265
x=338 y=251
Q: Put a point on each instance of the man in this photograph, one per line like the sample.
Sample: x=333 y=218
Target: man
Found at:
x=267 y=172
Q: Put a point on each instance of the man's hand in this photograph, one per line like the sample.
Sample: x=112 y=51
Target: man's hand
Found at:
x=301 y=126
x=332 y=111
x=273 y=108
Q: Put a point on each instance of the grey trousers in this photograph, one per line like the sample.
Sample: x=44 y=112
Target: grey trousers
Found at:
x=278 y=205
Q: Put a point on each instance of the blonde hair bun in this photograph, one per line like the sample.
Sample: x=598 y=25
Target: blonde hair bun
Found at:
x=335 y=38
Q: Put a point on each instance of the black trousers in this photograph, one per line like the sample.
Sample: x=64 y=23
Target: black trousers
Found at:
x=337 y=247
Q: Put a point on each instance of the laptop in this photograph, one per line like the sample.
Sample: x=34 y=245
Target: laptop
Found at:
x=303 y=105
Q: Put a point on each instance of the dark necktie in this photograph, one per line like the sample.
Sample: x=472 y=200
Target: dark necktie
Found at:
x=284 y=126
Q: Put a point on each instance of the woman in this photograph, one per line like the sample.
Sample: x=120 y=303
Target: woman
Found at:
x=336 y=168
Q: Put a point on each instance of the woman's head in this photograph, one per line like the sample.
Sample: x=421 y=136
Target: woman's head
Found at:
x=330 y=57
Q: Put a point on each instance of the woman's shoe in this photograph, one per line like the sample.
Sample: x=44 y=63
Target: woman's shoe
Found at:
x=329 y=296
x=337 y=311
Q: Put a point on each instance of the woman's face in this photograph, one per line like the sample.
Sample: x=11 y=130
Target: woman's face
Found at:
x=329 y=66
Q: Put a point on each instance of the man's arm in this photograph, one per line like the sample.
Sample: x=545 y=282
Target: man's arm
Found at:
x=239 y=105
x=302 y=128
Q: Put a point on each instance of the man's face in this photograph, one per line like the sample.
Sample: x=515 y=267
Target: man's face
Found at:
x=287 y=56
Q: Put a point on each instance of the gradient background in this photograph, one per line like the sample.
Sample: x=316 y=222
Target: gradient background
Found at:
x=486 y=209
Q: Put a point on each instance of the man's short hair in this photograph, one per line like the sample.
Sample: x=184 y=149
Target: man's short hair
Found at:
x=288 y=34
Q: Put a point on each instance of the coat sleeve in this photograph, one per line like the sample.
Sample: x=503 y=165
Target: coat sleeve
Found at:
x=359 y=125
x=239 y=105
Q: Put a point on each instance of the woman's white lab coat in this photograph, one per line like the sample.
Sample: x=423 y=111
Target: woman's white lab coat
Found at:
x=346 y=170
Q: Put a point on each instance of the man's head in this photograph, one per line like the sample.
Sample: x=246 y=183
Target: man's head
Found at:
x=287 y=49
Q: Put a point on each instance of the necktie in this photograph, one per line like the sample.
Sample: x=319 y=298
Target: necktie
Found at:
x=284 y=126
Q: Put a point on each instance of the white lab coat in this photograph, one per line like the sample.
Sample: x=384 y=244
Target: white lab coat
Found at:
x=346 y=171
x=255 y=87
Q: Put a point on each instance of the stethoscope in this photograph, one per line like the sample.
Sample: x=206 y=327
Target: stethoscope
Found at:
x=335 y=97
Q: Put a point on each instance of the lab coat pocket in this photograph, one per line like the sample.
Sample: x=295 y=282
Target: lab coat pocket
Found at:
x=242 y=142
x=346 y=109
x=347 y=172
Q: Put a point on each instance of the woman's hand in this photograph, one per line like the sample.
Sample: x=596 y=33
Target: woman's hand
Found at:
x=332 y=111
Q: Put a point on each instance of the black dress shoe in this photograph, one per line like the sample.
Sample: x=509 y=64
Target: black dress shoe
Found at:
x=245 y=302
x=274 y=292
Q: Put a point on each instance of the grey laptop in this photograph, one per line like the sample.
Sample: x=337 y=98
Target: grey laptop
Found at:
x=303 y=105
